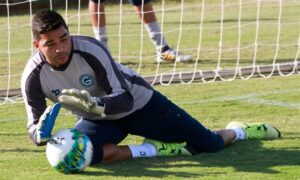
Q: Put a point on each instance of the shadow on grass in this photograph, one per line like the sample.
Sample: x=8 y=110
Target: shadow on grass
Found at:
x=246 y=156
x=21 y=150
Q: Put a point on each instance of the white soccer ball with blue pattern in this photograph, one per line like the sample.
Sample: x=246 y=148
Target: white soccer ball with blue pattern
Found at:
x=69 y=151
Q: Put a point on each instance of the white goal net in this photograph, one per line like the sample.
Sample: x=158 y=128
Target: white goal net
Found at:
x=227 y=39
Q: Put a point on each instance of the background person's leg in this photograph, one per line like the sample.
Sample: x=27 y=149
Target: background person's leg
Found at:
x=147 y=15
x=97 y=14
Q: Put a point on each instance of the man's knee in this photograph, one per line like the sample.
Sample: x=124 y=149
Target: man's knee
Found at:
x=138 y=2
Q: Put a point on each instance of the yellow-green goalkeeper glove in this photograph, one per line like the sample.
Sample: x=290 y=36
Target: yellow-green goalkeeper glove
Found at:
x=81 y=103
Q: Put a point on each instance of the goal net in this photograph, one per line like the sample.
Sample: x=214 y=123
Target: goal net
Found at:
x=227 y=39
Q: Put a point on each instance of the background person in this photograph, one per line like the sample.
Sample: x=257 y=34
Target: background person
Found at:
x=163 y=51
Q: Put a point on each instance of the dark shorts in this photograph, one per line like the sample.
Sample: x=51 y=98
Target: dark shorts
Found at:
x=133 y=2
x=159 y=119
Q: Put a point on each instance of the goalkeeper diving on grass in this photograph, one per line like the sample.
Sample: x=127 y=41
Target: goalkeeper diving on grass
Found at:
x=111 y=101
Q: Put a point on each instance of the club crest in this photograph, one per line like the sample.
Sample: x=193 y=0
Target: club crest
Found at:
x=87 y=80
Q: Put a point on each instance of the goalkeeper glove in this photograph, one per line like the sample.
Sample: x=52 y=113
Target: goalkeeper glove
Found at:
x=81 y=103
x=46 y=123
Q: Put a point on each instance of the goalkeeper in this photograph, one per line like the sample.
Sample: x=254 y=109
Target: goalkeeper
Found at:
x=111 y=101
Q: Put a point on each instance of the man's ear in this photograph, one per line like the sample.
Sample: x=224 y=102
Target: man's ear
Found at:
x=36 y=43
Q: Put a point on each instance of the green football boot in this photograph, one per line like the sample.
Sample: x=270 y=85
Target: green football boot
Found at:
x=256 y=130
x=168 y=149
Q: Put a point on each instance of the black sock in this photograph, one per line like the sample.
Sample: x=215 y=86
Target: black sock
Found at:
x=165 y=48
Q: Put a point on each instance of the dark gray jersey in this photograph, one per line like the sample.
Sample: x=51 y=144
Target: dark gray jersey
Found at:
x=91 y=68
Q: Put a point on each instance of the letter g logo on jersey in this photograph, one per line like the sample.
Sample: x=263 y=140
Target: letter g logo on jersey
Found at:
x=87 y=80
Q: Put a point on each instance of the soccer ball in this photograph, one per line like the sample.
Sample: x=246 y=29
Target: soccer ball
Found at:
x=69 y=151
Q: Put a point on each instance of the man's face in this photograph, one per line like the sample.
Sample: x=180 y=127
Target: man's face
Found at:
x=55 y=46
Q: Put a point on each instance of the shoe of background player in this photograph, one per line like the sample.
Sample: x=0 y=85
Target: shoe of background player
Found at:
x=256 y=130
x=171 y=55
x=168 y=149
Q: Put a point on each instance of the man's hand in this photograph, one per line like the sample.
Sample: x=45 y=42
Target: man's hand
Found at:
x=46 y=123
x=80 y=102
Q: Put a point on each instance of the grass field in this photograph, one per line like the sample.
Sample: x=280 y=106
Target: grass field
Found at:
x=274 y=100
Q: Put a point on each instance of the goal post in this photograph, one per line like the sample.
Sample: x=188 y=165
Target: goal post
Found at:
x=232 y=39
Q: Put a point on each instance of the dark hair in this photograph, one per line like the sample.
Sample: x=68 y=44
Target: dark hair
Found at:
x=45 y=21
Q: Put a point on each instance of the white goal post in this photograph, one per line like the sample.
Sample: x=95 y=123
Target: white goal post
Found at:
x=232 y=39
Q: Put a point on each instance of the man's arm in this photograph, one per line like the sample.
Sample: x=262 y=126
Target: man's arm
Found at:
x=40 y=118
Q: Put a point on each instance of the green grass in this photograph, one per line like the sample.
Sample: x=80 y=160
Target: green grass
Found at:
x=271 y=100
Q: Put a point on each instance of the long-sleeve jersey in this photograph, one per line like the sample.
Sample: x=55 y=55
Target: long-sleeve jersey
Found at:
x=90 y=68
